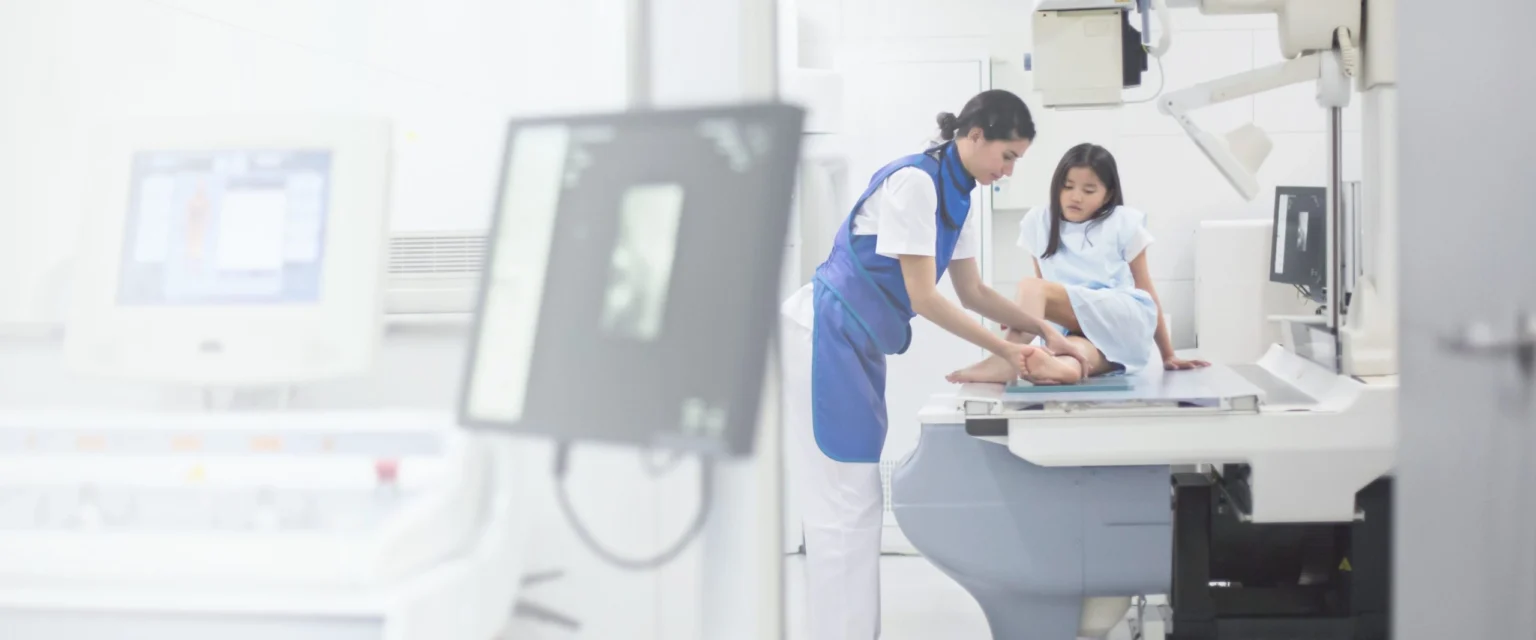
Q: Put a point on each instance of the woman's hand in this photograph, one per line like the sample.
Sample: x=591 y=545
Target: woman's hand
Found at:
x=1059 y=345
x=1180 y=364
x=1018 y=356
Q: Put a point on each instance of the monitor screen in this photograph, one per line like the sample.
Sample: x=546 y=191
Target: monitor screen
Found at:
x=225 y=227
x=1300 y=253
x=634 y=277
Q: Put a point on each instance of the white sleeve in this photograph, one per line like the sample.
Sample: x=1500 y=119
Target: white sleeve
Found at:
x=905 y=209
x=1135 y=238
x=801 y=306
x=1030 y=235
x=1140 y=239
x=969 y=244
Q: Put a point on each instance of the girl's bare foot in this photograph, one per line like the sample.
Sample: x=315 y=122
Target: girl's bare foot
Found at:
x=993 y=369
x=1045 y=368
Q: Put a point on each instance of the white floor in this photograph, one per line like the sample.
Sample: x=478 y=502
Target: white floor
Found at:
x=917 y=603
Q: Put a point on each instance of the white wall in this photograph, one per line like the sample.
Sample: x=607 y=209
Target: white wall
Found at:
x=1163 y=172
x=448 y=72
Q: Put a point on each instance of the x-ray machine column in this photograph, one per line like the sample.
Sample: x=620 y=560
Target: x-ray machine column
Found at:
x=702 y=52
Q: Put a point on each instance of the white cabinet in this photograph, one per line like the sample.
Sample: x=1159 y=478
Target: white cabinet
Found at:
x=1023 y=189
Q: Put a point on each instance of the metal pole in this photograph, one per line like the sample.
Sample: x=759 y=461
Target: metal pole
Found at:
x=743 y=560
x=743 y=563
x=1336 y=235
x=639 y=54
x=759 y=46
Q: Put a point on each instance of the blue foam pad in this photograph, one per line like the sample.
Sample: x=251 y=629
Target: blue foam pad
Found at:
x=1102 y=383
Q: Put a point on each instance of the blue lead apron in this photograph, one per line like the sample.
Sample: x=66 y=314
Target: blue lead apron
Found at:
x=863 y=313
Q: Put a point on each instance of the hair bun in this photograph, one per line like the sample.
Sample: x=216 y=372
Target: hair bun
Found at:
x=948 y=123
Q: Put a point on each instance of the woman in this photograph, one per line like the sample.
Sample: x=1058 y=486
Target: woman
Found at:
x=908 y=228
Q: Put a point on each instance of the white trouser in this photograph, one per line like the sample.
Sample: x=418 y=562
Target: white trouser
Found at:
x=841 y=505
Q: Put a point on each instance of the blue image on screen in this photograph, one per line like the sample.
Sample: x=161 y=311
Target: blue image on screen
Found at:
x=225 y=227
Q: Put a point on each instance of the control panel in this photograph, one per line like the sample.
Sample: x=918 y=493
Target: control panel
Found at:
x=284 y=497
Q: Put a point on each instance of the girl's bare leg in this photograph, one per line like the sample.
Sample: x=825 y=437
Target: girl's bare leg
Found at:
x=1040 y=299
x=993 y=369
x=1045 y=368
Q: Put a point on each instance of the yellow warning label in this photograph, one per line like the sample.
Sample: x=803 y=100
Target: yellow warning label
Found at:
x=1344 y=566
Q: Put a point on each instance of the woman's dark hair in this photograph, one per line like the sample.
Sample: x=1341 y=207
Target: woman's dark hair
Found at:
x=999 y=114
x=1096 y=159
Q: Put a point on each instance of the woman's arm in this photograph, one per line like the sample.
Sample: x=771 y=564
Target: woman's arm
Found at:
x=977 y=296
x=1143 y=279
x=985 y=300
x=920 y=272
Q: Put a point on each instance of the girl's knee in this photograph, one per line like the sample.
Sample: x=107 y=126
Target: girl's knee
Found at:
x=1030 y=288
x=1038 y=289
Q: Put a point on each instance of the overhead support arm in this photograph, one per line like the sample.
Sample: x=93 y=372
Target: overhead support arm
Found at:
x=1242 y=151
x=1240 y=7
x=1242 y=85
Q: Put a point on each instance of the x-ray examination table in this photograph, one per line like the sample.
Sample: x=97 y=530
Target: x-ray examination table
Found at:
x=1035 y=501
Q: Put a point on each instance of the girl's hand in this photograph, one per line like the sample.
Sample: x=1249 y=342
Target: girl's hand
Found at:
x=1180 y=364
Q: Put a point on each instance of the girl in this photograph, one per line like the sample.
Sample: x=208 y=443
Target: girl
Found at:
x=909 y=228
x=1091 y=278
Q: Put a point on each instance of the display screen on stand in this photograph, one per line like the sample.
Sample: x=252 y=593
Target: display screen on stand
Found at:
x=633 y=278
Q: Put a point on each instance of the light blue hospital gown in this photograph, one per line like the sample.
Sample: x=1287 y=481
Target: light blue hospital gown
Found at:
x=1093 y=264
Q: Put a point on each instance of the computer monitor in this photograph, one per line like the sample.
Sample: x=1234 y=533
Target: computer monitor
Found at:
x=232 y=251
x=633 y=277
x=1299 y=257
x=1300 y=249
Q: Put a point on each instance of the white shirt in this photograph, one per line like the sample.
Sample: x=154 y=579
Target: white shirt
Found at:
x=903 y=213
x=1095 y=255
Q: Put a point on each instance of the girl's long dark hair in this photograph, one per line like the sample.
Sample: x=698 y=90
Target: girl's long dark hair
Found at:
x=1096 y=159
